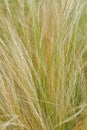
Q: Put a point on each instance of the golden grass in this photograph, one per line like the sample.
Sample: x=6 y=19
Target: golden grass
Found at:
x=43 y=65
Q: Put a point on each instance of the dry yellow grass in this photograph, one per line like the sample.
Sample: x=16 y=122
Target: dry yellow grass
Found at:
x=43 y=64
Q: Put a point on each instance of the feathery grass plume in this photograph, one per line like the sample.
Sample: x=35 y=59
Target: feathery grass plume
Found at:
x=43 y=65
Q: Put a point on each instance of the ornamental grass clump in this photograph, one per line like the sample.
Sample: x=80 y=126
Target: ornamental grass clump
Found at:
x=43 y=64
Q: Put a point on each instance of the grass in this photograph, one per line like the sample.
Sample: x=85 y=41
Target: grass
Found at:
x=43 y=65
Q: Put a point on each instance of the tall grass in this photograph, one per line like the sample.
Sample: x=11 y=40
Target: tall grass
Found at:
x=43 y=65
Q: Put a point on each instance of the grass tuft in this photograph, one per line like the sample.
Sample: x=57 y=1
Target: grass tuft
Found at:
x=43 y=65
